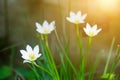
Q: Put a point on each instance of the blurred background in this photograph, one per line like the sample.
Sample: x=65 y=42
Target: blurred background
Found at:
x=17 y=26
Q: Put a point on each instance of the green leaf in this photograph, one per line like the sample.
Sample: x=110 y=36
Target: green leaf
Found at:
x=5 y=72
x=27 y=74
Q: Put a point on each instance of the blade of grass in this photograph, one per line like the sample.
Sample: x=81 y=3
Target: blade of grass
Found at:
x=109 y=56
x=62 y=48
x=48 y=54
x=93 y=67
x=116 y=59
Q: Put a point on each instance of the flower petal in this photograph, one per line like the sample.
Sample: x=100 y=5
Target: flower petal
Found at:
x=84 y=16
x=70 y=19
x=25 y=61
x=99 y=30
x=37 y=56
x=52 y=25
x=29 y=49
x=94 y=27
x=91 y=31
x=72 y=13
x=23 y=52
x=38 y=25
x=78 y=14
x=36 y=49
x=25 y=56
x=45 y=24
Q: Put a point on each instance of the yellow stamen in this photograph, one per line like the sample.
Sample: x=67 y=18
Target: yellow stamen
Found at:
x=31 y=56
x=46 y=30
x=91 y=34
x=77 y=21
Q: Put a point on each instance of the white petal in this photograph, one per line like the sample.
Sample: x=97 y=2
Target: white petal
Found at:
x=36 y=49
x=25 y=56
x=70 y=19
x=94 y=27
x=39 y=30
x=23 y=52
x=79 y=13
x=99 y=30
x=84 y=16
x=52 y=25
x=29 y=49
x=86 y=31
x=37 y=56
x=45 y=24
x=72 y=14
x=38 y=25
x=88 y=26
x=82 y=21
x=25 y=61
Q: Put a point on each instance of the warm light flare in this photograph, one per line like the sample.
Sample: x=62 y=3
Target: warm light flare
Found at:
x=108 y=5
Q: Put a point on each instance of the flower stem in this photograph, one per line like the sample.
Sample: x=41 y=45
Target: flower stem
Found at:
x=35 y=71
x=50 y=56
x=53 y=63
x=42 y=37
x=59 y=42
x=43 y=69
x=88 y=47
x=108 y=59
x=79 y=39
x=46 y=40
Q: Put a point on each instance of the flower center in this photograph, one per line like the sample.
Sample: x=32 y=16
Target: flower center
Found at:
x=46 y=30
x=31 y=56
x=77 y=21
x=91 y=33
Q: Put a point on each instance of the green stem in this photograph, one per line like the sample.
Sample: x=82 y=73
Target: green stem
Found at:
x=59 y=42
x=88 y=47
x=43 y=69
x=110 y=52
x=53 y=63
x=116 y=59
x=90 y=41
x=46 y=40
x=34 y=69
x=42 y=37
x=47 y=56
x=79 y=39
x=50 y=56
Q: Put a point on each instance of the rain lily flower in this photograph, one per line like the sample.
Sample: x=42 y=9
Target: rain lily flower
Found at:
x=91 y=31
x=76 y=18
x=45 y=28
x=30 y=55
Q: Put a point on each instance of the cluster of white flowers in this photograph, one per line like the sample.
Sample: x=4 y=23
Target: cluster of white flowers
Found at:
x=32 y=54
x=79 y=18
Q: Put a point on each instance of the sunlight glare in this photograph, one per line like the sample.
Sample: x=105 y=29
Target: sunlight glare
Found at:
x=108 y=5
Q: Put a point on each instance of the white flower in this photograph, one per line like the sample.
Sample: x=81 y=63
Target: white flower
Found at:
x=45 y=28
x=91 y=31
x=76 y=18
x=30 y=54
